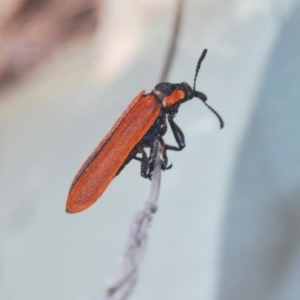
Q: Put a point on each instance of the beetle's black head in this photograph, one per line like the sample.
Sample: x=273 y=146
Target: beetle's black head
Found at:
x=191 y=93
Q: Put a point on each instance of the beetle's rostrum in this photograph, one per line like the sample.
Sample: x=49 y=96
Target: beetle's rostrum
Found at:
x=140 y=125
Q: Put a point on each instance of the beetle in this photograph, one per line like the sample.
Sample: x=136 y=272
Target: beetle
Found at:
x=142 y=123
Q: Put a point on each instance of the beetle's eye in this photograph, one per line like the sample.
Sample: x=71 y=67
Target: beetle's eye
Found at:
x=188 y=90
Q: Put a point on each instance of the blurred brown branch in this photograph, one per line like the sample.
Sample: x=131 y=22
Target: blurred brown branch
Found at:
x=32 y=30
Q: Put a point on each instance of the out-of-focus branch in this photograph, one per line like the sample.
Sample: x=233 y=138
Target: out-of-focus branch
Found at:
x=32 y=30
x=173 y=42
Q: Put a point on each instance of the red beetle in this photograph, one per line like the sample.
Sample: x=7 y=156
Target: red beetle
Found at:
x=143 y=122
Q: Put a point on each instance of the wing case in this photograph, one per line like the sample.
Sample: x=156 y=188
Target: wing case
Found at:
x=102 y=165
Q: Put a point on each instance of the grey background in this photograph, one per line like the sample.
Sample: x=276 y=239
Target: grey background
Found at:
x=228 y=219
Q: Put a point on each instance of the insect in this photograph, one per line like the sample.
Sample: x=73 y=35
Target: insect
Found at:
x=142 y=123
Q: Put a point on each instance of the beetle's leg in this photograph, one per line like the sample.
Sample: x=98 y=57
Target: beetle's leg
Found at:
x=137 y=158
x=164 y=164
x=180 y=140
x=178 y=135
x=163 y=127
x=145 y=168
x=147 y=164
x=144 y=161
x=154 y=146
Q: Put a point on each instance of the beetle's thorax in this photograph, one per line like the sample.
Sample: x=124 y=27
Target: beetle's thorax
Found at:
x=169 y=94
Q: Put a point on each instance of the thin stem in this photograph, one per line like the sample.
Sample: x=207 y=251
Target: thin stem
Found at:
x=121 y=287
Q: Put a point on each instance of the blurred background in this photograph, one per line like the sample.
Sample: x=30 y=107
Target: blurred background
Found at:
x=228 y=222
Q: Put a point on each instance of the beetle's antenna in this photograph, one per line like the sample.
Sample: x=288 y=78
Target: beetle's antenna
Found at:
x=200 y=95
x=203 y=97
x=198 y=67
x=217 y=115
